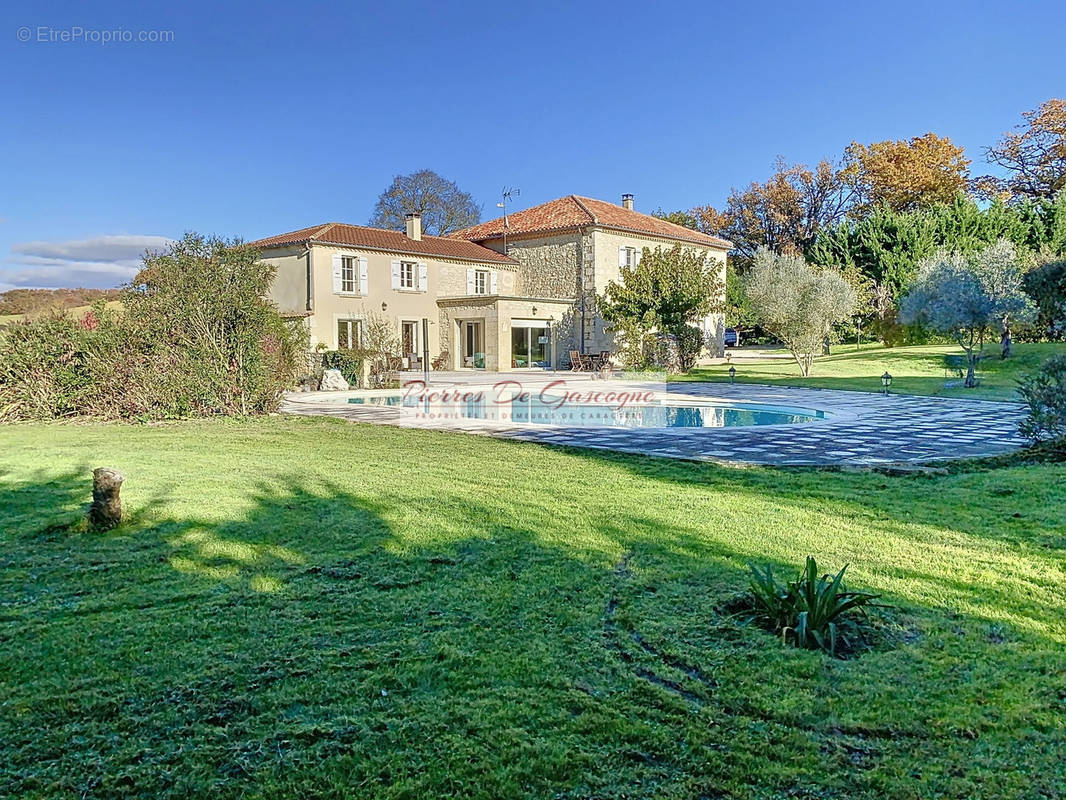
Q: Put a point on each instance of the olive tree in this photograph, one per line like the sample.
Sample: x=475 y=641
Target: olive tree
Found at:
x=798 y=303
x=968 y=297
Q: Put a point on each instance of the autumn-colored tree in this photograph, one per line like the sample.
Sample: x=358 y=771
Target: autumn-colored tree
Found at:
x=908 y=173
x=1034 y=154
x=711 y=221
x=784 y=214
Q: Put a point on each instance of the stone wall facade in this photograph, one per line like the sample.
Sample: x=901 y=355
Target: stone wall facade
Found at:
x=549 y=264
x=579 y=264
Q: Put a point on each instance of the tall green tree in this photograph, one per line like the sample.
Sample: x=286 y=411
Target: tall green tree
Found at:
x=686 y=219
x=1046 y=285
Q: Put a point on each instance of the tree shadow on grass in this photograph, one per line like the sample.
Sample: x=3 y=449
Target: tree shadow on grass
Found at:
x=1012 y=523
x=322 y=639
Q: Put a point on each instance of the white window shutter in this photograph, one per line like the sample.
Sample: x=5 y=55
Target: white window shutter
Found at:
x=621 y=256
x=471 y=286
x=396 y=273
x=338 y=286
x=423 y=277
x=363 y=282
x=492 y=282
x=636 y=257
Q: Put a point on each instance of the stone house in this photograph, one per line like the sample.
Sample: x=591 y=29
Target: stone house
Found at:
x=509 y=294
x=574 y=246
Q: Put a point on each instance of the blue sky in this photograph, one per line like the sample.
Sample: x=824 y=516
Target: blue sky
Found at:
x=254 y=121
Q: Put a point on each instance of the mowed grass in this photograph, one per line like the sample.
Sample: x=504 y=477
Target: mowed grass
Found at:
x=304 y=608
x=915 y=370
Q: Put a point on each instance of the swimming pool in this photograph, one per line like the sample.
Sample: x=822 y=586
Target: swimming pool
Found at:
x=537 y=411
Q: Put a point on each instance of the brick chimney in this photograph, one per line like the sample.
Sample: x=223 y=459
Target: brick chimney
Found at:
x=627 y=202
x=414 y=226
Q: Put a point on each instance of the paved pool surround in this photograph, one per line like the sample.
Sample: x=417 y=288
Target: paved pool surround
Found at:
x=860 y=428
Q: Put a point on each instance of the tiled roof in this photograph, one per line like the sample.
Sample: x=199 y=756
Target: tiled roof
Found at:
x=573 y=212
x=338 y=233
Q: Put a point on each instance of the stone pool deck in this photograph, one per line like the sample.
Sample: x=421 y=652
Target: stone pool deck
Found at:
x=861 y=429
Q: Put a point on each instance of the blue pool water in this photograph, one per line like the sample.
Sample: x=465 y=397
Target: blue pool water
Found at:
x=586 y=415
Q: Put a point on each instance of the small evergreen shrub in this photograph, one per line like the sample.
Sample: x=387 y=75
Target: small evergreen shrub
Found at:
x=1044 y=391
x=349 y=362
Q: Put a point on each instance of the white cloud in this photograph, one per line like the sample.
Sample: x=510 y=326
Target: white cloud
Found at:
x=97 y=262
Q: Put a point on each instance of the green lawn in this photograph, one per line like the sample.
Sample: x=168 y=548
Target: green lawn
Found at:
x=304 y=607
x=914 y=370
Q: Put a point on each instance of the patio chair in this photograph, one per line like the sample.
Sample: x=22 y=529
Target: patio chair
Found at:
x=604 y=365
x=440 y=363
x=580 y=362
x=413 y=361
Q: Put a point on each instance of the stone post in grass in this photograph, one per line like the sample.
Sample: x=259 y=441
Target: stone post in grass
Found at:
x=106 y=510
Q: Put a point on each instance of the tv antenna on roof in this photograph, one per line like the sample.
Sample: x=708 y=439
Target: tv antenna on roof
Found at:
x=508 y=194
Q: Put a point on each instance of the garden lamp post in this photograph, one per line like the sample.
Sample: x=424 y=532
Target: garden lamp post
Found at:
x=886 y=381
x=732 y=374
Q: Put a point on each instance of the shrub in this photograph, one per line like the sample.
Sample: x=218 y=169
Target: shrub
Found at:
x=810 y=612
x=1044 y=391
x=349 y=362
x=48 y=368
x=1046 y=285
x=196 y=336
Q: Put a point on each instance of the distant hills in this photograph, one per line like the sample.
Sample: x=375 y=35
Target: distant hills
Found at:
x=35 y=301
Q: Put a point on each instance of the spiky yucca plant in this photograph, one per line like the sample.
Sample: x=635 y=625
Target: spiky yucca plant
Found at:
x=807 y=611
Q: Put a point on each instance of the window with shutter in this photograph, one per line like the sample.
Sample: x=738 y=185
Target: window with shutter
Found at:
x=363 y=282
x=337 y=274
x=407 y=274
x=349 y=266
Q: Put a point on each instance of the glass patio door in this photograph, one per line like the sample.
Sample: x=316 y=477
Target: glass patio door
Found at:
x=409 y=337
x=473 y=345
x=530 y=344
